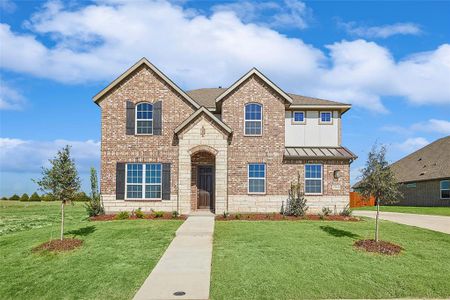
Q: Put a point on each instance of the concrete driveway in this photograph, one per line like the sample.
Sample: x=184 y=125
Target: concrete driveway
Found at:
x=436 y=223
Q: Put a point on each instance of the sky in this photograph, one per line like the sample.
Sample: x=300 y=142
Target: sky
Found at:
x=389 y=59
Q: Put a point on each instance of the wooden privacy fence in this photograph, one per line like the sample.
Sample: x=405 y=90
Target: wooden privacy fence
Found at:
x=356 y=200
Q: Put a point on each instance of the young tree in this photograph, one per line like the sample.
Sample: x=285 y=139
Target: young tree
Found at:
x=296 y=202
x=61 y=180
x=94 y=207
x=378 y=181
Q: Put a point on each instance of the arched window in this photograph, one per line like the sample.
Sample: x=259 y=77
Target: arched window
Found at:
x=253 y=119
x=144 y=118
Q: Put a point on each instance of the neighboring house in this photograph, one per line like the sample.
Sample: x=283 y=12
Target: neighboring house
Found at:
x=236 y=149
x=425 y=175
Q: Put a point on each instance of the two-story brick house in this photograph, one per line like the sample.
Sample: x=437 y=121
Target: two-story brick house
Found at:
x=233 y=149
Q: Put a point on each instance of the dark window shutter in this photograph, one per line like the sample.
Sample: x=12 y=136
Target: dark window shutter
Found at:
x=130 y=118
x=166 y=181
x=157 y=118
x=120 y=181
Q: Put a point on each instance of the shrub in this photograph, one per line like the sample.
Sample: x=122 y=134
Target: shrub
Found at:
x=94 y=207
x=225 y=214
x=347 y=212
x=48 y=197
x=238 y=216
x=326 y=211
x=158 y=214
x=296 y=202
x=123 y=215
x=175 y=214
x=82 y=197
x=14 y=197
x=139 y=213
x=25 y=197
x=35 y=197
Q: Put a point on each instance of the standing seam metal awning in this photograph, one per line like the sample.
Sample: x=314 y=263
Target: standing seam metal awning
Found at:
x=318 y=153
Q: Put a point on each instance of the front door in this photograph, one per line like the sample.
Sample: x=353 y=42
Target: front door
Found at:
x=205 y=186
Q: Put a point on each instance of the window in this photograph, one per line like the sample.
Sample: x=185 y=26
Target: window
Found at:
x=143 y=181
x=256 y=178
x=313 y=179
x=144 y=118
x=253 y=119
x=445 y=189
x=298 y=117
x=325 y=117
x=411 y=185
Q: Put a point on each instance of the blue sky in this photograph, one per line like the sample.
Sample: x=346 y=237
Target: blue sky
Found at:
x=391 y=60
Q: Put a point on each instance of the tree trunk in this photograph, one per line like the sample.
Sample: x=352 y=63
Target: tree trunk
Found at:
x=376 y=221
x=62 y=220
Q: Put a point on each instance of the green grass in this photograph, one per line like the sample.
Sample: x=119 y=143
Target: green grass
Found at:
x=438 y=211
x=314 y=259
x=114 y=261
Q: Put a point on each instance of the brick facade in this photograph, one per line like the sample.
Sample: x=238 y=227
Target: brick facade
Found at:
x=203 y=142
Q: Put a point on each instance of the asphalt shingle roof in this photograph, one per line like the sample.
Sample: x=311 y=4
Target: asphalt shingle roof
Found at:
x=207 y=97
x=430 y=162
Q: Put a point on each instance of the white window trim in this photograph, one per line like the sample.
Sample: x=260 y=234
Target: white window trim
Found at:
x=248 y=178
x=331 y=117
x=321 y=179
x=441 y=189
x=299 y=122
x=245 y=119
x=143 y=184
x=136 y=119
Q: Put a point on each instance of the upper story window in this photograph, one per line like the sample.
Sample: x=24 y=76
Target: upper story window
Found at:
x=445 y=189
x=144 y=118
x=253 y=119
x=298 y=117
x=326 y=117
x=256 y=178
x=313 y=179
x=143 y=181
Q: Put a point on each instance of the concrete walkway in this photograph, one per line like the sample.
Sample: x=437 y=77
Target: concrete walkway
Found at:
x=185 y=267
x=436 y=223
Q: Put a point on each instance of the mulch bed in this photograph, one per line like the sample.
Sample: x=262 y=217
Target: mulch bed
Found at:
x=59 y=246
x=381 y=247
x=280 y=217
x=112 y=217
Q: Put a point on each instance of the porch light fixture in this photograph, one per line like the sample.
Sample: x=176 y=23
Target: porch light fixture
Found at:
x=337 y=174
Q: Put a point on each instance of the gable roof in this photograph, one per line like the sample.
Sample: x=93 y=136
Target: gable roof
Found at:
x=203 y=110
x=207 y=97
x=430 y=162
x=254 y=71
x=143 y=61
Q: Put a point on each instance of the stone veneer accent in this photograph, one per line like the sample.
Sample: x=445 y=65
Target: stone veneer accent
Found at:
x=203 y=136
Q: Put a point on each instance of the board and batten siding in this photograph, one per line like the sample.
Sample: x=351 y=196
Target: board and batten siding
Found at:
x=426 y=193
x=312 y=133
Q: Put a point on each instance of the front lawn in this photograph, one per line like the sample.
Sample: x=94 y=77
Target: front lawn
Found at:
x=113 y=262
x=316 y=259
x=438 y=211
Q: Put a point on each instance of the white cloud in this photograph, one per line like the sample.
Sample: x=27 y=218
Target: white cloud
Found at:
x=411 y=144
x=383 y=31
x=90 y=44
x=7 y=6
x=433 y=125
x=291 y=13
x=19 y=156
x=10 y=98
x=430 y=126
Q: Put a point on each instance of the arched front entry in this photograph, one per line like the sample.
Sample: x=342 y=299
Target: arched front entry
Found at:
x=203 y=180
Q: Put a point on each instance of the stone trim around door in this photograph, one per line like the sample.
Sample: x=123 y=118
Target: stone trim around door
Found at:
x=200 y=137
